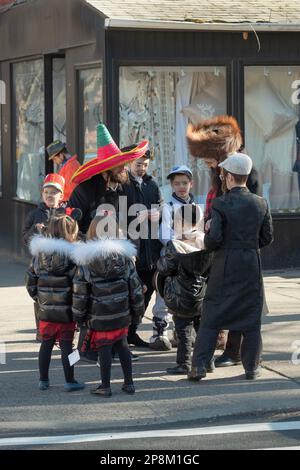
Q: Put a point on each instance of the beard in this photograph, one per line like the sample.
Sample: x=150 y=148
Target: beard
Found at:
x=120 y=178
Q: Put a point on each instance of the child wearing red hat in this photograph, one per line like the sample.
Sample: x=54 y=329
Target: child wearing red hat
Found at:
x=52 y=197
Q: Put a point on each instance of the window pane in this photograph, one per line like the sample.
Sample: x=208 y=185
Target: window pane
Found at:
x=28 y=82
x=271 y=116
x=0 y=149
x=157 y=103
x=90 y=112
x=59 y=99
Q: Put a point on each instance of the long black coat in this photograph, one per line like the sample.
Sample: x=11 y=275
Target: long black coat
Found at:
x=108 y=294
x=241 y=225
x=49 y=278
x=148 y=194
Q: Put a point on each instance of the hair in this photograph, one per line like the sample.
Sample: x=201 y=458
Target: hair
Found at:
x=62 y=226
x=240 y=179
x=103 y=226
x=172 y=177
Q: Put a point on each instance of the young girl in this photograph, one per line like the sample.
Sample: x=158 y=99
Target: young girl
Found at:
x=108 y=296
x=49 y=282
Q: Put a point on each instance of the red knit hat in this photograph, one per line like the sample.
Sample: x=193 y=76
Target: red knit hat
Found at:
x=109 y=156
x=55 y=180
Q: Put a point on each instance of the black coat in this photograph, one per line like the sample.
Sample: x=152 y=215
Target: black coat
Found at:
x=88 y=195
x=49 y=278
x=241 y=225
x=147 y=194
x=39 y=215
x=108 y=294
x=184 y=282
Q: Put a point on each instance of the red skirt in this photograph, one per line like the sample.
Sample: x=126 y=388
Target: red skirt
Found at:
x=96 y=339
x=57 y=331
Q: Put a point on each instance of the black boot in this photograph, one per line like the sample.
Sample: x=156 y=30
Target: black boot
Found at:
x=133 y=338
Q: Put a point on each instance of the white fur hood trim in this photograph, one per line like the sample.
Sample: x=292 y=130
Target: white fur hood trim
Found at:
x=39 y=244
x=85 y=253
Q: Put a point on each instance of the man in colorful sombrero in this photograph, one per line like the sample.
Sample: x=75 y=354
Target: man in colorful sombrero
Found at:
x=99 y=179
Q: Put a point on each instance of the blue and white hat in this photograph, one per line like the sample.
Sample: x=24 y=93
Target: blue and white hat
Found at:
x=180 y=170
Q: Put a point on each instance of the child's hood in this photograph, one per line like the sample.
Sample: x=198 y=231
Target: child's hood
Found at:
x=40 y=244
x=194 y=261
x=86 y=252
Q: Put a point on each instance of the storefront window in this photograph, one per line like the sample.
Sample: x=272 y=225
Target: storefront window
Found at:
x=59 y=99
x=28 y=94
x=157 y=103
x=90 y=110
x=272 y=128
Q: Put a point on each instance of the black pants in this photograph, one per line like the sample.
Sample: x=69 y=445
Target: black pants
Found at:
x=147 y=278
x=206 y=342
x=233 y=345
x=45 y=358
x=105 y=358
x=183 y=329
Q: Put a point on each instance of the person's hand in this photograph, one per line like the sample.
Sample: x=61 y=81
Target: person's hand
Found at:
x=207 y=225
x=145 y=288
x=142 y=216
x=39 y=227
x=153 y=215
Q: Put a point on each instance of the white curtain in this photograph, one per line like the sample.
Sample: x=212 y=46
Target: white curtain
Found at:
x=270 y=119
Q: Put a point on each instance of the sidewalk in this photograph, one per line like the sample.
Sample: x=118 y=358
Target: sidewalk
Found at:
x=160 y=399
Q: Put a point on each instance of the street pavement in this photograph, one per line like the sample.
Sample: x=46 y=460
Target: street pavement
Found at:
x=161 y=400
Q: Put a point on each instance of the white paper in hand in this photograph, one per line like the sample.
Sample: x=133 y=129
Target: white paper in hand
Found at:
x=74 y=357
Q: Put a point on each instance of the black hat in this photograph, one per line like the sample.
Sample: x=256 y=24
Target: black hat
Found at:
x=56 y=147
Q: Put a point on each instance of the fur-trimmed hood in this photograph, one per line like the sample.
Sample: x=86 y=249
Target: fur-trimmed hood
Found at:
x=214 y=138
x=40 y=244
x=85 y=253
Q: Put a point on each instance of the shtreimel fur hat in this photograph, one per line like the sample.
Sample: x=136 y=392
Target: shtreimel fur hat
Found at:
x=214 y=138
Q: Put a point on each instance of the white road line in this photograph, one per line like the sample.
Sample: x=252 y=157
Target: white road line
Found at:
x=204 y=431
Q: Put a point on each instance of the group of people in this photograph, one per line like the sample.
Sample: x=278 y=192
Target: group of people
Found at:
x=101 y=252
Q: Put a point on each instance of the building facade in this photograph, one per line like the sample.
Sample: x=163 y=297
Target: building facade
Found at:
x=73 y=63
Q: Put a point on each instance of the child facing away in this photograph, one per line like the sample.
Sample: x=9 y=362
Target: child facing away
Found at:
x=49 y=282
x=108 y=297
x=181 y=281
x=181 y=181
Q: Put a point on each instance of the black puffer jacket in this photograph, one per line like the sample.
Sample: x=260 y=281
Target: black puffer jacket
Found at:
x=108 y=294
x=39 y=215
x=49 y=278
x=185 y=282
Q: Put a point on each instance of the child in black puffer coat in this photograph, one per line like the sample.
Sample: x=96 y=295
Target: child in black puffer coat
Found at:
x=108 y=297
x=181 y=281
x=49 y=281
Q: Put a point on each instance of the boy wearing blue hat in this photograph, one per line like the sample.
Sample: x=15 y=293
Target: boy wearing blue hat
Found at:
x=181 y=180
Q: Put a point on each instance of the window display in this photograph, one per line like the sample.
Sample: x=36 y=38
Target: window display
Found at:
x=28 y=95
x=271 y=129
x=157 y=103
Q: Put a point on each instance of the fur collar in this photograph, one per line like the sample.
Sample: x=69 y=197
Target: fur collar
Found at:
x=85 y=253
x=40 y=244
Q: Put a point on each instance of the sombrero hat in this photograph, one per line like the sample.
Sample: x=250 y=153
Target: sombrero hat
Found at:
x=109 y=156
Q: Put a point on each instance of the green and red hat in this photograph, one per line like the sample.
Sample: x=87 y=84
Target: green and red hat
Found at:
x=108 y=156
x=55 y=180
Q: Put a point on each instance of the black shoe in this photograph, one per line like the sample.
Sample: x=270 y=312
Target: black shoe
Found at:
x=180 y=369
x=102 y=391
x=128 y=389
x=253 y=374
x=137 y=341
x=226 y=361
x=196 y=373
x=210 y=366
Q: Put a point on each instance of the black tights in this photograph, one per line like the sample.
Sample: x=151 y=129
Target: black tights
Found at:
x=105 y=357
x=45 y=358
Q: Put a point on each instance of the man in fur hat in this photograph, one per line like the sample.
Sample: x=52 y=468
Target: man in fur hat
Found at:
x=213 y=140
